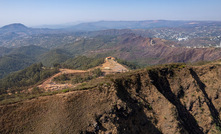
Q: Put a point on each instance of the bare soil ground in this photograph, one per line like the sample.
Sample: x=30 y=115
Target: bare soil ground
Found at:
x=110 y=66
x=49 y=84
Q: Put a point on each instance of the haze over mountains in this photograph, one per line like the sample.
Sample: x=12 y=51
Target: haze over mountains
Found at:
x=187 y=33
x=148 y=24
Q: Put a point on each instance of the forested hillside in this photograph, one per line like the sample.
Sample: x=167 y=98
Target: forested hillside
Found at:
x=19 y=58
x=21 y=80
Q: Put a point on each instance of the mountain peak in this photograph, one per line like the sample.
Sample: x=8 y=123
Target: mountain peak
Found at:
x=15 y=26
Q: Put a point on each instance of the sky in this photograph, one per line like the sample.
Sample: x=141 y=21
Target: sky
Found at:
x=52 y=12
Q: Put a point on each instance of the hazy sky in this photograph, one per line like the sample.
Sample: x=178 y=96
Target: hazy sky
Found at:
x=39 y=12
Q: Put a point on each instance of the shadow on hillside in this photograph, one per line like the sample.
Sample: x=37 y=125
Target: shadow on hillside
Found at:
x=132 y=118
x=202 y=86
x=163 y=86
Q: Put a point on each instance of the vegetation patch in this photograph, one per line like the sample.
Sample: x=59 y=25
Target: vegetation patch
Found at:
x=81 y=63
x=131 y=65
x=79 y=78
x=23 y=79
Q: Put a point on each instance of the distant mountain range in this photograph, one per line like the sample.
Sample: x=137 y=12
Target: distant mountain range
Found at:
x=186 y=33
x=22 y=29
x=16 y=35
x=148 y=24
x=104 y=25
x=16 y=27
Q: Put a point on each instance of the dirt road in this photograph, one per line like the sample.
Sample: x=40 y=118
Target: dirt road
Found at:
x=110 y=66
x=50 y=85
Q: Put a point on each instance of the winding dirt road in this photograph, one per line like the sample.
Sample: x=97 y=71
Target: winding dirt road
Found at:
x=50 y=85
x=110 y=66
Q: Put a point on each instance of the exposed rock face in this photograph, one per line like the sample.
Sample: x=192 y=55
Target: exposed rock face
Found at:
x=170 y=99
